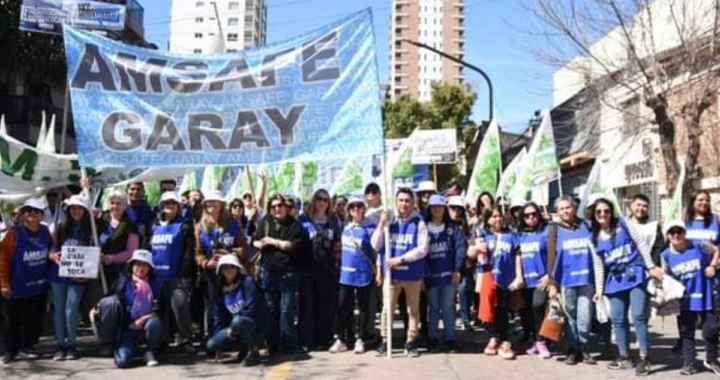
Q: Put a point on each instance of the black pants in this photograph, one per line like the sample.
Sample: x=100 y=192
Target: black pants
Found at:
x=533 y=313
x=499 y=328
x=373 y=307
x=23 y=322
x=345 y=321
x=317 y=304
x=710 y=329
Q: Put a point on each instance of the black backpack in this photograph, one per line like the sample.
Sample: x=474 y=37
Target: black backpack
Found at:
x=109 y=321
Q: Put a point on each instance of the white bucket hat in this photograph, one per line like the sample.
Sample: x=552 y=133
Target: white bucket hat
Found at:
x=77 y=200
x=143 y=255
x=228 y=260
x=214 y=195
x=427 y=186
x=456 y=201
x=674 y=224
x=170 y=196
x=34 y=203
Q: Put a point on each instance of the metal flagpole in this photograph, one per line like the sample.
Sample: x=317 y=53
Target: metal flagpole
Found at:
x=387 y=278
x=93 y=226
x=560 y=182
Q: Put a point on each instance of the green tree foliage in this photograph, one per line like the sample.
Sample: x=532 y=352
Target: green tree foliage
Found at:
x=41 y=56
x=450 y=107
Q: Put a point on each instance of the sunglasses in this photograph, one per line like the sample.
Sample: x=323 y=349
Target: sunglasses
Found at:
x=237 y=205
x=602 y=212
x=676 y=231
x=355 y=206
x=531 y=215
x=277 y=205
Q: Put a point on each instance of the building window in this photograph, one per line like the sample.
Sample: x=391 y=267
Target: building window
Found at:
x=198 y=19
x=199 y=4
x=198 y=35
x=233 y=21
x=232 y=50
x=234 y=5
x=249 y=5
x=232 y=37
x=197 y=51
x=248 y=18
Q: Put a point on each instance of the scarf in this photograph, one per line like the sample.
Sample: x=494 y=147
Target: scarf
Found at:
x=143 y=298
x=117 y=242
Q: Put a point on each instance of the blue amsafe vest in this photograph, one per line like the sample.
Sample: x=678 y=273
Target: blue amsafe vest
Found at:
x=72 y=240
x=28 y=276
x=167 y=249
x=441 y=256
x=624 y=268
x=697 y=233
x=235 y=301
x=224 y=237
x=501 y=247
x=688 y=267
x=142 y=216
x=356 y=263
x=533 y=253
x=403 y=238
x=573 y=266
x=480 y=232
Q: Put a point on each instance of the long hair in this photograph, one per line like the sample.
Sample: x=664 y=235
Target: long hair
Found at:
x=220 y=281
x=595 y=226
x=243 y=218
x=445 y=219
x=480 y=206
x=65 y=228
x=487 y=214
x=690 y=209
x=222 y=220
x=463 y=222
x=311 y=207
x=542 y=223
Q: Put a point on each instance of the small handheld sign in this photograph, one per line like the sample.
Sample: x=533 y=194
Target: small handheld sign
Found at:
x=79 y=262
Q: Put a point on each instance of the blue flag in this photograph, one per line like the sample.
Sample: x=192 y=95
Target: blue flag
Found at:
x=309 y=98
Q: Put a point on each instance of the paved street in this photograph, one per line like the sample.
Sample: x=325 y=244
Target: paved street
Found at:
x=467 y=364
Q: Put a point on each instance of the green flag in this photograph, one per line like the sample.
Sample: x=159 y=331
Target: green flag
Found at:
x=401 y=161
x=594 y=189
x=189 y=182
x=152 y=193
x=487 y=164
x=674 y=211
x=510 y=175
x=350 y=179
x=211 y=179
x=305 y=179
x=282 y=180
x=542 y=158
x=240 y=185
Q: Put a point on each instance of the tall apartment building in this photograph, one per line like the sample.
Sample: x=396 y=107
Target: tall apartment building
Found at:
x=437 y=23
x=194 y=24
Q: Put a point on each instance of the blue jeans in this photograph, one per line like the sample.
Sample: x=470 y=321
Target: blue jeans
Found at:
x=578 y=305
x=441 y=300
x=129 y=340
x=465 y=290
x=243 y=327
x=66 y=301
x=636 y=301
x=279 y=289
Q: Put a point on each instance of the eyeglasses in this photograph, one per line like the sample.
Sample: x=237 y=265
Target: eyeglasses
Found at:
x=531 y=215
x=602 y=212
x=676 y=231
x=355 y=206
x=277 y=205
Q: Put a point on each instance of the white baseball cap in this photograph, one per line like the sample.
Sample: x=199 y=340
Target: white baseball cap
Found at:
x=425 y=186
x=143 y=255
x=170 y=196
x=34 y=203
x=456 y=201
x=674 y=224
x=214 y=195
x=77 y=200
x=228 y=260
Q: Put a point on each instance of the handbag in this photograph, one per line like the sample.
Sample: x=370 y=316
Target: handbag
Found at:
x=553 y=326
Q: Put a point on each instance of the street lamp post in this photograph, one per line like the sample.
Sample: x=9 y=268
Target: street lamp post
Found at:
x=465 y=64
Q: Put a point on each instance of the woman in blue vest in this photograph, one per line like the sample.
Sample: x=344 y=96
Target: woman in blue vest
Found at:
x=501 y=269
x=625 y=257
x=318 y=286
x=357 y=260
x=466 y=288
x=137 y=291
x=118 y=236
x=694 y=267
x=171 y=243
x=67 y=292
x=570 y=255
x=216 y=235
x=23 y=281
x=445 y=263
x=243 y=312
x=533 y=240
x=702 y=225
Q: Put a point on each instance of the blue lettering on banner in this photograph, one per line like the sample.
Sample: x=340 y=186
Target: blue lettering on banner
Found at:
x=309 y=98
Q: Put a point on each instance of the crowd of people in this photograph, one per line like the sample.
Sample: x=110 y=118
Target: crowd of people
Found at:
x=229 y=276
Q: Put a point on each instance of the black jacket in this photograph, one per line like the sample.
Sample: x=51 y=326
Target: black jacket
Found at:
x=288 y=229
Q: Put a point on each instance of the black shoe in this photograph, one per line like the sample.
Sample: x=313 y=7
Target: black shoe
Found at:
x=620 y=364
x=60 y=355
x=243 y=352
x=251 y=359
x=187 y=349
x=450 y=346
x=572 y=357
x=72 y=354
x=642 y=368
x=713 y=366
x=381 y=349
x=433 y=346
x=688 y=369
x=587 y=358
x=677 y=348
x=411 y=350
x=288 y=350
x=8 y=358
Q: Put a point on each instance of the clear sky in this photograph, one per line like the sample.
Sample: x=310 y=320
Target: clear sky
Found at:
x=497 y=40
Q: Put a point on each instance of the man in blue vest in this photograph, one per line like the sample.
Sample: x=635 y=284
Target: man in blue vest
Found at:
x=409 y=241
x=139 y=211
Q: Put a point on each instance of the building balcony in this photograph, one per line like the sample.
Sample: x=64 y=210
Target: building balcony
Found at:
x=134 y=18
x=459 y=27
x=401 y=26
x=399 y=74
x=400 y=86
x=402 y=2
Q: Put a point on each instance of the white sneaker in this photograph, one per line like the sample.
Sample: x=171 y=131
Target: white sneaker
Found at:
x=150 y=360
x=359 y=347
x=338 y=346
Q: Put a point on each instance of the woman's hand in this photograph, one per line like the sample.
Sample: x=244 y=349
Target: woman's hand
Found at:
x=710 y=271
x=55 y=257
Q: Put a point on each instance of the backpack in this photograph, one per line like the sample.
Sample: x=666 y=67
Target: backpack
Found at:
x=109 y=321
